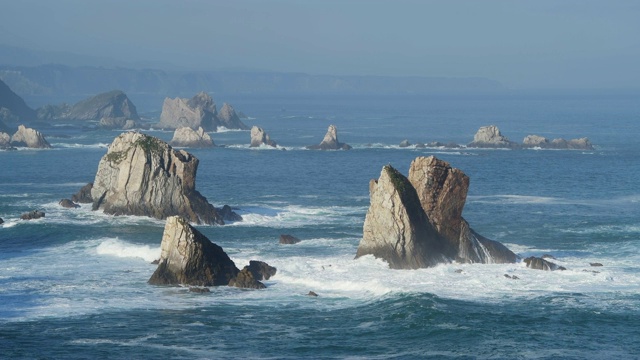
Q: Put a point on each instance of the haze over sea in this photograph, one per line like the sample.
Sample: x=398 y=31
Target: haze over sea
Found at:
x=73 y=284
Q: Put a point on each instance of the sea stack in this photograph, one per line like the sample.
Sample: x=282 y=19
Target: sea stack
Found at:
x=491 y=137
x=187 y=137
x=417 y=222
x=142 y=175
x=31 y=138
x=259 y=138
x=330 y=141
x=199 y=111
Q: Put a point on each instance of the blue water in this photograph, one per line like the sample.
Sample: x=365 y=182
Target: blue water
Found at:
x=73 y=285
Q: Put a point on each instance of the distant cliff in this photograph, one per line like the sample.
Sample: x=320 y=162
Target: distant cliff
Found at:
x=62 y=80
x=12 y=107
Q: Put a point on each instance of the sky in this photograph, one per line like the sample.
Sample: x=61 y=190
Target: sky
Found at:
x=556 y=44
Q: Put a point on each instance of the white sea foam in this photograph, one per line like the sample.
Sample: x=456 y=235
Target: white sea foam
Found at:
x=298 y=216
x=222 y=129
x=80 y=146
x=119 y=248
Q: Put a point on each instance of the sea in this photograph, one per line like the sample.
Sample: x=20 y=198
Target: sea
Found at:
x=73 y=285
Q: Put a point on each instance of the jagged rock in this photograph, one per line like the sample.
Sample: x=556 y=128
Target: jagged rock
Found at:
x=143 y=175
x=573 y=144
x=405 y=143
x=417 y=222
x=187 y=137
x=490 y=137
x=113 y=104
x=13 y=109
x=260 y=137
x=443 y=192
x=396 y=228
x=29 y=138
x=246 y=280
x=596 y=264
x=5 y=141
x=261 y=270
x=535 y=141
x=511 y=277
x=199 y=111
x=32 y=215
x=199 y=290
x=288 y=239
x=229 y=119
x=1 y=221
x=121 y=123
x=66 y=203
x=312 y=293
x=188 y=257
x=330 y=141
x=542 y=264
x=83 y=196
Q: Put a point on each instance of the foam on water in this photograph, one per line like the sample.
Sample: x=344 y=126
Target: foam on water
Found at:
x=297 y=216
x=119 y=248
x=80 y=146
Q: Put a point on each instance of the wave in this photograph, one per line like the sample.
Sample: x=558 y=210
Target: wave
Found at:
x=80 y=146
x=549 y=200
x=119 y=248
x=222 y=129
x=298 y=216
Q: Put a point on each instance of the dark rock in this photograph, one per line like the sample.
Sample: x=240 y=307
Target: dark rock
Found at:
x=1 y=221
x=84 y=195
x=32 y=215
x=548 y=256
x=591 y=271
x=459 y=271
x=199 y=290
x=511 y=277
x=246 y=280
x=261 y=270
x=155 y=262
x=311 y=293
x=228 y=214
x=288 y=239
x=542 y=264
x=66 y=203
x=188 y=257
x=595 y=264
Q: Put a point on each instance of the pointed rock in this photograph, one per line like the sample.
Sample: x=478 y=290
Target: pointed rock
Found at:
x=142 y=175
x=261 y=270
x=260 y=137
x=83 y=196
x=330 y=141
x=542 y=264
x=199 y=111
x=189 y=258
x=187 y=137
x=229 y=119
x=29 y=138
x=246 y=280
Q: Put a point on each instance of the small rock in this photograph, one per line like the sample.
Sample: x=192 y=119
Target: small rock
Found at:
x=405 y=143
x=311 y=293
x=595 y=264
x=228 y=214
x=246 y=280
x=199 y=290
x=35 y=214
x=1 y=221
x=288 y=239
x=591 y=271
x=459 y=271
x=66 y=203
x=261 y=270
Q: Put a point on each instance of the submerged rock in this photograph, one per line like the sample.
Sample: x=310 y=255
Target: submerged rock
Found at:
x=142 y=175
x=330 y=141
x=27 y=137
x=490 y=137
x=199 y=290
x=189 y=258
x=288 y=239
x=32 y=215
x=260 y=137
x=417 y=222
x=535 y=141
x=187 y=137
x=66 y=203
x=83 y=196
x=542 y=264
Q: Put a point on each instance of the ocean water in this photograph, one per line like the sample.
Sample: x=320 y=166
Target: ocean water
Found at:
x=73 y=284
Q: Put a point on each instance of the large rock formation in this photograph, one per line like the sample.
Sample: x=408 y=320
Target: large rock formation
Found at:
x=330 y=141
x=260 y=137
x=187 y=137
x=189 y=258
x=229 y=119
x=13 y=109
x=143 y=175
x=5 y=141
x=112 y=104
x=27 y=137
x=199 y=111
x=417 y=222
x=490 y=137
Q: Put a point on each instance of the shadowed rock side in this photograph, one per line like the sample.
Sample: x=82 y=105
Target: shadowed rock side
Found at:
x=396 y=228
x=417 y=222
x=83 y=196
x=199 y=111
x=330 y=141
x=443 y=192
x=143 y=175
x=189 y=258
x=27 y=137
x=187 y=137
x=490 y=137
x=13 y=108
x=260 y=137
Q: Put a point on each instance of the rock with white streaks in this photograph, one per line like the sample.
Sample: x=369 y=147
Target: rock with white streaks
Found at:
x=259 y=137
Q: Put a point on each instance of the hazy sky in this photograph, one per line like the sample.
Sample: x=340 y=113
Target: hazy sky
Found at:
x=523 y=44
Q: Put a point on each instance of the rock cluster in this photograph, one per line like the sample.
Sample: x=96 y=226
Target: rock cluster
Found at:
x=66 y=203
x=542 y=264
x=417 y=222
x=491 y=137
x=189 y=258
x=31 y=138
x=199 y=111
x=535 y=141
x=32 y=215
x=143 y=175
x=187 y=137
x=259 y=137
x=330 y=141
